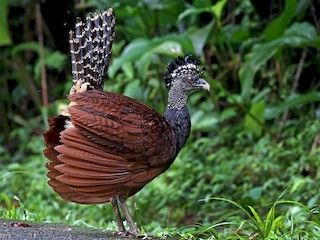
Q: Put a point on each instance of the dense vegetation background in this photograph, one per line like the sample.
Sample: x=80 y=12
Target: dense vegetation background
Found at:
x=251 y=168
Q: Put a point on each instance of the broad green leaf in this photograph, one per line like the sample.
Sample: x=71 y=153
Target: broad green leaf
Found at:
x=255 y=118
x=302 y=34
x=192 y=11
x=217 y=8
x=292 y=101
x=143 y=65
x=33 y=46
x=203 y=121
x=136 y=49
x=199 y=37
x=304 y=30
x=246 y=76
x=132 y=89
x=261 y=95
x=237 y=33
x=260 y=54
x=53 y=60
x=168 y=48
x=128 y=70
x=227 y=114
x=298 y=35
x=4 y=33
x=254 y=193
x=131 y=53
x=276 y=28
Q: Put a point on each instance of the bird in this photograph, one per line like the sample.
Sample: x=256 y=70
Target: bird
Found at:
x=105 y=147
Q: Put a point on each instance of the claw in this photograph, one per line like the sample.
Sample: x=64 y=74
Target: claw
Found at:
x=126 y=234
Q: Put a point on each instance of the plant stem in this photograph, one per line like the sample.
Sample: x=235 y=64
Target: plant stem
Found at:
x=41 y=55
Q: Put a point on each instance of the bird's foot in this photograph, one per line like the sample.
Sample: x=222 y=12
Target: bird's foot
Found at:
x=126 y=234
x=132 y=234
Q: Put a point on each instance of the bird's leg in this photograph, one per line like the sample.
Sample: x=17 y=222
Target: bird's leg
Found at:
x=114 y=202
x=122 y=203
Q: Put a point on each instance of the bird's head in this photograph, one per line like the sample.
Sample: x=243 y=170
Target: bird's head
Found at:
x=185 y=74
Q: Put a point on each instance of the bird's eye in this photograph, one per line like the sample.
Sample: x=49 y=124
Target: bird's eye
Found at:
x=189 y=80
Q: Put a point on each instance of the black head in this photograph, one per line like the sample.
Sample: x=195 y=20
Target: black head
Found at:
x=186 y=73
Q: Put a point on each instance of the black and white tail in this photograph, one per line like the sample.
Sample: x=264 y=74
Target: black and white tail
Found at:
x=91 y=48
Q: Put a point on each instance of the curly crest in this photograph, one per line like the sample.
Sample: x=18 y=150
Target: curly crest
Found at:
x=182 y=65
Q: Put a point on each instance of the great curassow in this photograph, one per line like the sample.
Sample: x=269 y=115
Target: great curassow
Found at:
x=105 y=147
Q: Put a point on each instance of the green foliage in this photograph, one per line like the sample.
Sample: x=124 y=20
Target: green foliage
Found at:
x=216 y=10
x=254 y=120
x=298 y=35
x=141 y=50
x=250 y=168
x=4 y=35
x=54 y=60
x=278 y=26
x=292 y=226
x=231 y=164
x=293 y=101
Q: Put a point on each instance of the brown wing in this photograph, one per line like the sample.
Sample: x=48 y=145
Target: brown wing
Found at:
x=116 y=147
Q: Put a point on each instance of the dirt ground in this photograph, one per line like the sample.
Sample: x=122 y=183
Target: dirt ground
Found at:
x=21 y=230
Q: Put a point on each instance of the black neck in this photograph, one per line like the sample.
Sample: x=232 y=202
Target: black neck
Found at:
x=179 y=119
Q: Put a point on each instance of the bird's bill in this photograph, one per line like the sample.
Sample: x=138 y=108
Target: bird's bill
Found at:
x=201 y=83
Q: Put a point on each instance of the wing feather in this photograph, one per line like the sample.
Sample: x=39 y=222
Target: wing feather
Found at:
x=134 y=130
x=117 y=145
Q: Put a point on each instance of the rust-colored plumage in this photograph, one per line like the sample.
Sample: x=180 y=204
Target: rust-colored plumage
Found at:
x=117 y=145
x=106 y=147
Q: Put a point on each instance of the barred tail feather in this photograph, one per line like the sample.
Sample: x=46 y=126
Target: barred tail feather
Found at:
x=91 y=49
